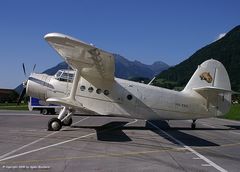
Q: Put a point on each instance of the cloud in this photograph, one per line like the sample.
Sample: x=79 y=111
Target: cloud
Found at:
x=220 y=36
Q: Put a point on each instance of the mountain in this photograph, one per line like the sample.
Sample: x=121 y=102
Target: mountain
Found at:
x=124 y=68
x=225 y=50
x=128 y=69
x=53 y=70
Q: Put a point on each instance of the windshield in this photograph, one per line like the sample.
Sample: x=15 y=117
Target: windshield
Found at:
x=58 y=74
x=65 y=76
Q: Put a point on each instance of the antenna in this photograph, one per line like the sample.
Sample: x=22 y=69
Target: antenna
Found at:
x=152 y=80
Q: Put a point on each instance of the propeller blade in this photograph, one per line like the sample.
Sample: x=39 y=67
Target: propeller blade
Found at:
x=34 y=67
x=21 y=96
x=24 y=69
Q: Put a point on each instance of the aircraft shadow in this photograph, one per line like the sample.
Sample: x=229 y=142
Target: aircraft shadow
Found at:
x=185 y=138
x=109 y=132
x=233 y=127
x=114 y=132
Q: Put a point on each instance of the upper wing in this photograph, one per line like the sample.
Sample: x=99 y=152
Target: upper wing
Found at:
x=92 y=62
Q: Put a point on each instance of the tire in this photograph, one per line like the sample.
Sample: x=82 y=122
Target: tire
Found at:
x=68 y=122
x=45 y=111
x=54 y=124
x=193 y=126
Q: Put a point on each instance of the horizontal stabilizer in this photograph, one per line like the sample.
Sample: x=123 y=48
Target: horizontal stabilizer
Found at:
x=213 y=90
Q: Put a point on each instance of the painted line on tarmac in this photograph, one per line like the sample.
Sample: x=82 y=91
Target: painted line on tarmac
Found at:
x=57 y=144
x=233 y=132
x=206 y=165
x=196 y=158
x=131 y=153
x=131 y=122
x=211 y=126
x=45 y=147
x=36 y=141
x=205 y=124
x=228 y=120
x=37 y=115
x=190 y=149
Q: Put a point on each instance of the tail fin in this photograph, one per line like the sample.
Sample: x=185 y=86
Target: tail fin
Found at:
x=212 y=82
x=210 y=73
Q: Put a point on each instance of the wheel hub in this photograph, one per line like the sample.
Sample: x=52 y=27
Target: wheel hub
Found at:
x=55 y=125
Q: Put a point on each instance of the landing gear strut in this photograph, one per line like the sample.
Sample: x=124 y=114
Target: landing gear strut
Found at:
x=67 y=122
x=55 y=124
x=193 y=126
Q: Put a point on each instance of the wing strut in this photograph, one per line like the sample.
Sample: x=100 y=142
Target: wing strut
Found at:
x=69 y=101
x=75 y=84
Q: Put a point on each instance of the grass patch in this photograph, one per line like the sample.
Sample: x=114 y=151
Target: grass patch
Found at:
x=234 y=113
x=13 y=106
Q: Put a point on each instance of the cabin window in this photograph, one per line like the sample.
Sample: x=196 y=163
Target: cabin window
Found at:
x=98 y=91
x=106 y=92
x=90 y=89
x=129 y=97
x=82 y=88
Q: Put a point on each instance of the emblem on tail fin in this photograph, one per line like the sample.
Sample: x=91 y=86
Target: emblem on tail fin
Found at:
x=206 y=76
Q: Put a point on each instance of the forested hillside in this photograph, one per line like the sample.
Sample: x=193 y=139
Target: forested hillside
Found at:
x=225 y=50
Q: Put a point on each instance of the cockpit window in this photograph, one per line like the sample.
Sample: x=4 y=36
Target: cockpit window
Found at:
x=64 y=76
x=58 y=74
x=67 y=77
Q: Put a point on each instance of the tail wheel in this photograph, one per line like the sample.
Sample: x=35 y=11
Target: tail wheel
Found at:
x=193 y=126
x=67 y=122
x=54 y=124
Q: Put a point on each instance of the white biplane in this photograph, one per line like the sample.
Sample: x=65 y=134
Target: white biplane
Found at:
x=92 y=87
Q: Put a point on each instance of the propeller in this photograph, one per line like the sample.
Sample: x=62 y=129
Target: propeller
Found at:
x=21 y=95
x=34 y=67
x=24 y=70
x=23 y=92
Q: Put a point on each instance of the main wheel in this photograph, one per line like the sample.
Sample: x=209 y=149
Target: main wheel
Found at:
x=67 y=122
x=54 y=124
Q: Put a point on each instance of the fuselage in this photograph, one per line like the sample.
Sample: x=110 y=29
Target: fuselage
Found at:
x=125 y=98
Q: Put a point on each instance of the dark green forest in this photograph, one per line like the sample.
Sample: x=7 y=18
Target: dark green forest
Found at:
x=225 y=50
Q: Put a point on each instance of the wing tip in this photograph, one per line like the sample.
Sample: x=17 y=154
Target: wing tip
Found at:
x=58 y=36
x=54 y=35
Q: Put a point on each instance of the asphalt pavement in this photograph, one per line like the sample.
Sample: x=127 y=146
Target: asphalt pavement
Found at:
x=117 y=144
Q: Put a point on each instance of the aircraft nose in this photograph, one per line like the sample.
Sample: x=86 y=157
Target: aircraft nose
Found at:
x=37 y=85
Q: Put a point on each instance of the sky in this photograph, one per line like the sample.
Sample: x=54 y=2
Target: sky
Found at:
x=143 y=30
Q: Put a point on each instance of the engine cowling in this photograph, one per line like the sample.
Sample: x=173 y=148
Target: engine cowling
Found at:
x=37 y=85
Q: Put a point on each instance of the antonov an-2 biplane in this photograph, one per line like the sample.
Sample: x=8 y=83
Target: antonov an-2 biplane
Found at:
x=92 y=87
